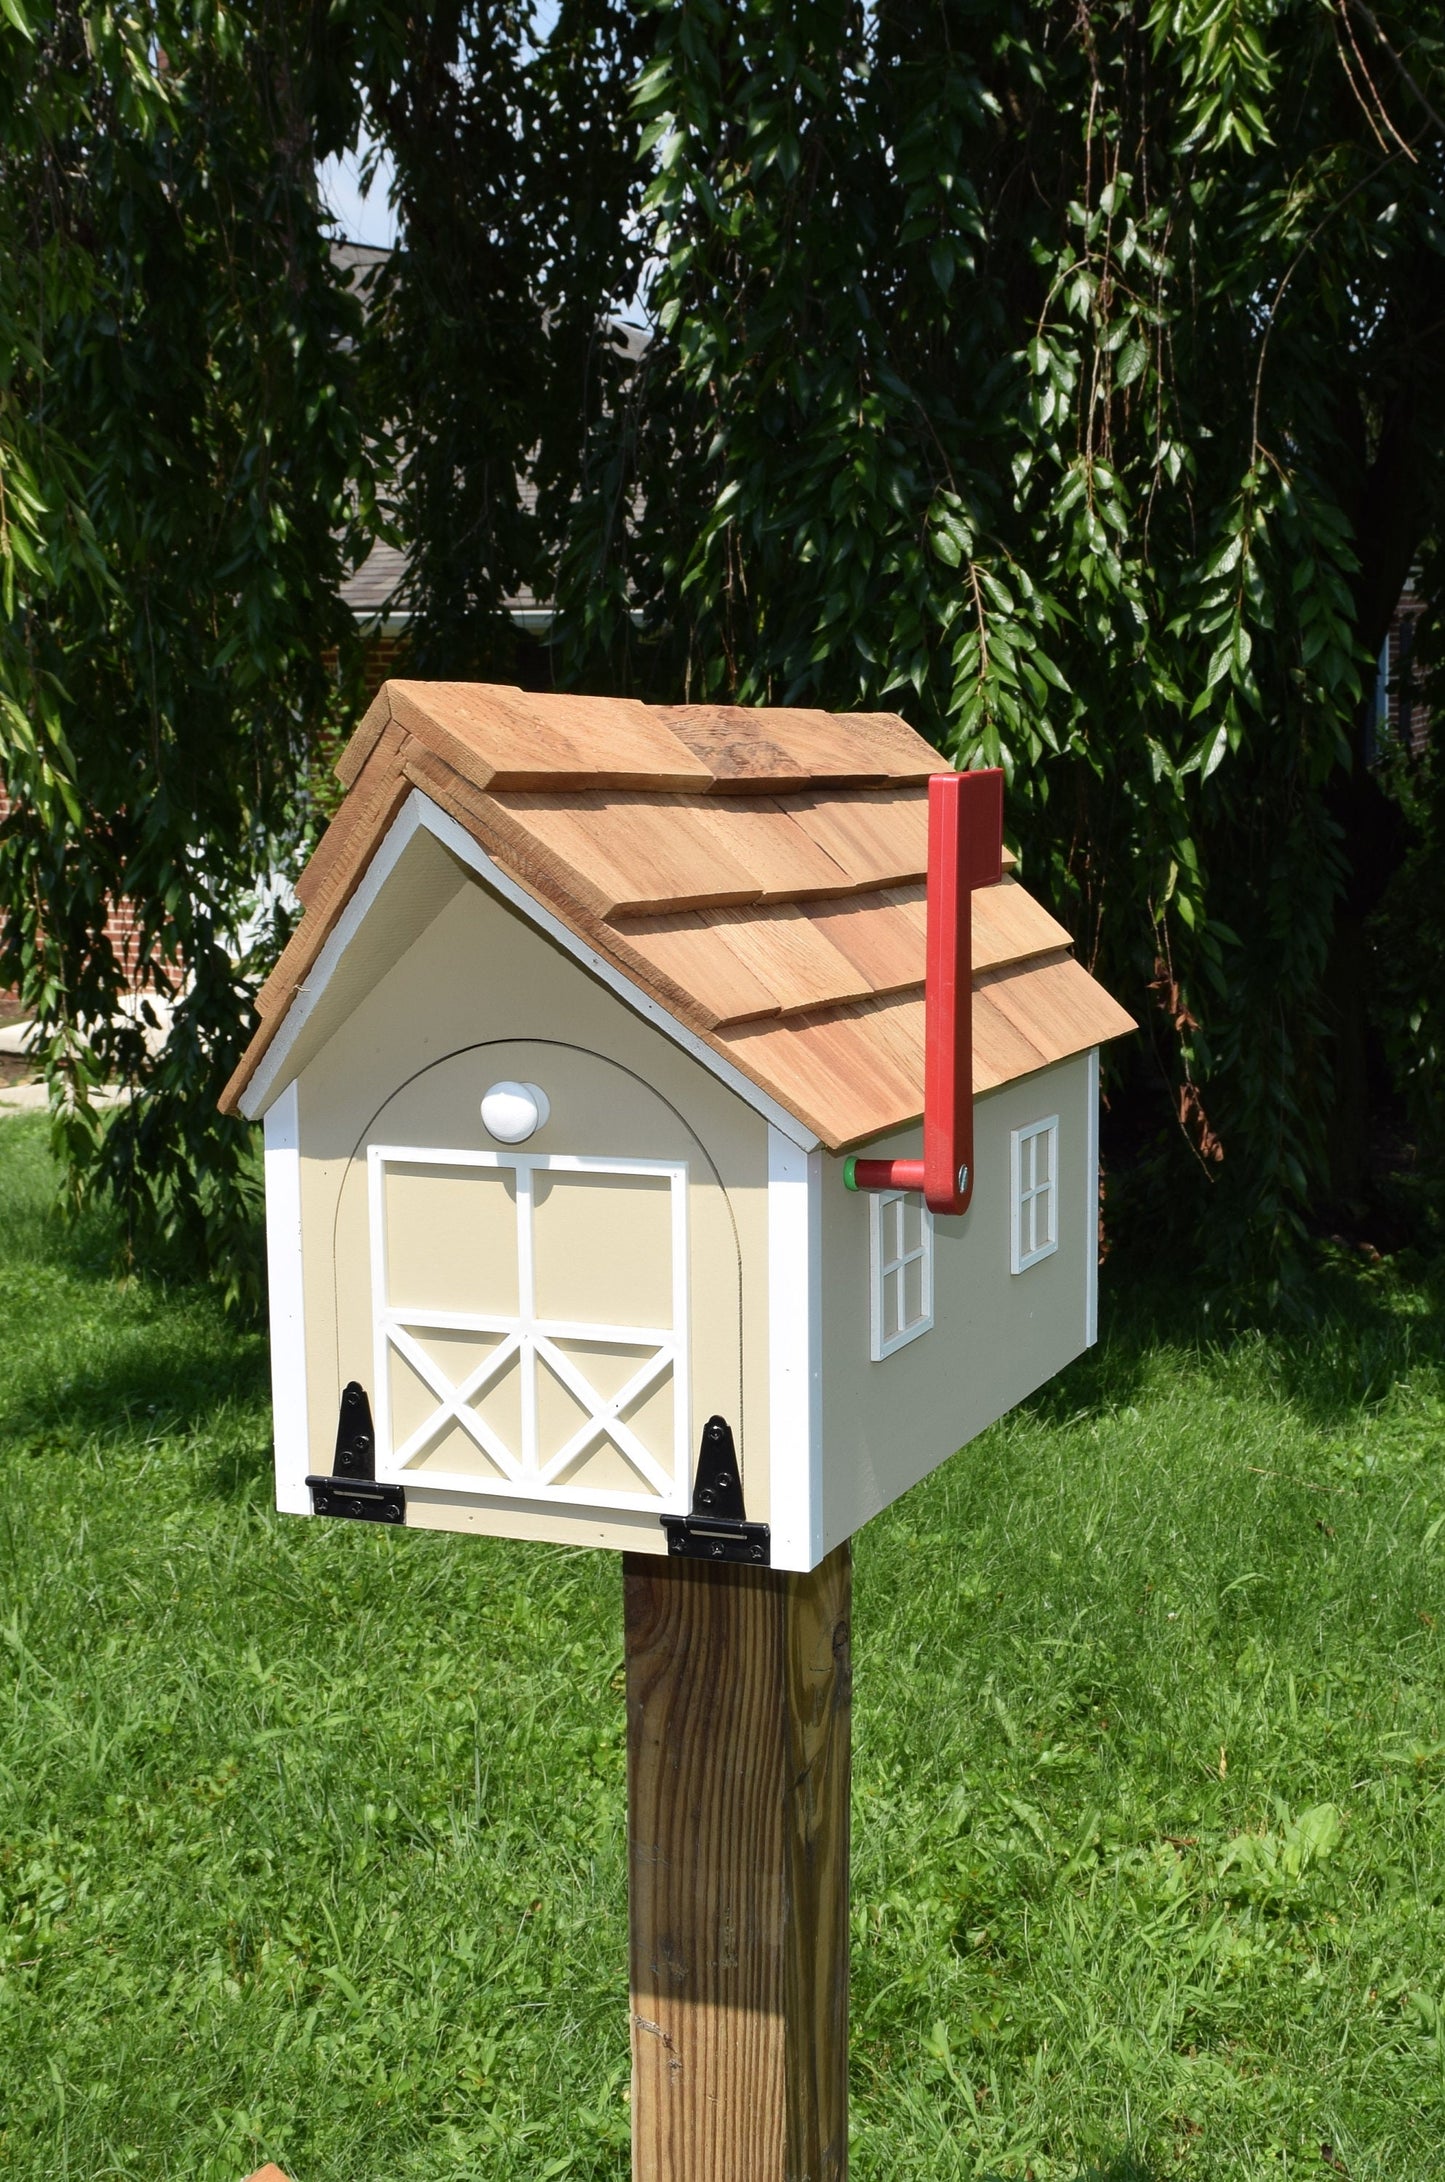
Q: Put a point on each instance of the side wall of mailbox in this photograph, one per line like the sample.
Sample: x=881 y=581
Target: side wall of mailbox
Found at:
x=997 y=1335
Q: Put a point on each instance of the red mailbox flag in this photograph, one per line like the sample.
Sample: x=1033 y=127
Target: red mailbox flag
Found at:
x=965 y=850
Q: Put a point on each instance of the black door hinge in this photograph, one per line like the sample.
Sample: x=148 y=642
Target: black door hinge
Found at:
x=718 y=1528
x=352 y=1490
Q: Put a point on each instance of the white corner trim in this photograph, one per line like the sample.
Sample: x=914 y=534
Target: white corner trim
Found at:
x=290 y=1420
x=1091 y=1203
x=418 y=814
x=795 y=1352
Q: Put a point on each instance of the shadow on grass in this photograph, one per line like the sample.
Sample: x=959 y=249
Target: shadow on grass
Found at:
x=160 y=1376
x=107 y=1367
x=1364 y=1328
x=1124 y=2168
x=41 y=1228
x=244 y=1469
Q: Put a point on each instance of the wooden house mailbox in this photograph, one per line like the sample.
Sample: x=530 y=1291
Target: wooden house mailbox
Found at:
x=680 y=1137
x=566 y=1075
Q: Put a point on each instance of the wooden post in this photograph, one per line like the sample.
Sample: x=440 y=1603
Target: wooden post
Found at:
x=738 y=1743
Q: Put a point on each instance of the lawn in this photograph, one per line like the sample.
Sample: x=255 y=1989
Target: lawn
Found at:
x=311 y=1835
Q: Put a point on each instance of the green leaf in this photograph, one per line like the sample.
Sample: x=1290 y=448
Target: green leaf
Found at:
x=1132 y=359
x=1222 y=663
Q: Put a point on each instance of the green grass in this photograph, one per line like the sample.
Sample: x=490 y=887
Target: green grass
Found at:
x=311 y=1835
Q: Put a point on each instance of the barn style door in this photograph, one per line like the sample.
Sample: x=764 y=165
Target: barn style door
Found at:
x=530 y=1324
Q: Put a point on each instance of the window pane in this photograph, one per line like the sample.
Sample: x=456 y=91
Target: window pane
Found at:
x=913 y=1291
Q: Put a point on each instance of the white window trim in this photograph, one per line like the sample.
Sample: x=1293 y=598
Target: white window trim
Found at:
x=530 y=1478
x=881 y=1268
x=1022 y=1194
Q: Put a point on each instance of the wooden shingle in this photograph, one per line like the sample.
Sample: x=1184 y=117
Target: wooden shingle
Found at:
x=736 y=753
x=849 y=748
x=683 y=950
x=1010 y=926
x=1056 y=1005
x=877 y=838
x=632 y=855
x=757 y=873
x=789 y=953
x=509 y=739
x=840 y=1072
x=765 y=835
x=879 y=933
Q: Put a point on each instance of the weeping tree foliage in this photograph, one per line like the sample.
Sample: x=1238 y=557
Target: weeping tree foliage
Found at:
x=518 y=185
x=1062 y=376
x=194 y=423
x=1068 y=377
x=183 y=478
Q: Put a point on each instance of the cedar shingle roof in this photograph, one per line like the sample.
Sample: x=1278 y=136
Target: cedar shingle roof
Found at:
x=759 y=872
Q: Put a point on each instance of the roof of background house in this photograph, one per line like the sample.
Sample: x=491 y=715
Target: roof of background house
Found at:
x=757 y=872
x=357 y=259
x=372 y=589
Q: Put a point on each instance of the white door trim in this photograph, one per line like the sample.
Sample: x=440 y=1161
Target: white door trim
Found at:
x=795 y=1351
x=524 y=1473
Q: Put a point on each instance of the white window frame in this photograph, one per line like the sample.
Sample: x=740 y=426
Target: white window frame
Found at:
x=1029 y=1194
x=529 y=1478
x=883 y=1267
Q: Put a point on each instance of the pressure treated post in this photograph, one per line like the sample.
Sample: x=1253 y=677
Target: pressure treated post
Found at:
x=738 y=1743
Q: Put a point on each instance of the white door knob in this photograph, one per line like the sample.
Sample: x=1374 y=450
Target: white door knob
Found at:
x=511 y=1112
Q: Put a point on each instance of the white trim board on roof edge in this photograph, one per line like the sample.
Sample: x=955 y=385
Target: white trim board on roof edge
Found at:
x=417 y=815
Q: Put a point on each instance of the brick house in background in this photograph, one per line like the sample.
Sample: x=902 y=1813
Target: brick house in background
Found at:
x=121 y=926
x=371 y=596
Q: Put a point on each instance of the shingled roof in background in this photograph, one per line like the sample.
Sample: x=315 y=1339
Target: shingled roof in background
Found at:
x=758 y=872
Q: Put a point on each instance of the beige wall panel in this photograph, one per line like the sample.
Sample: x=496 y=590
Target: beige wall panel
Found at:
x=480 y=996
x=425 y=879
x=624 y=1532
x=618 y=1226
x=996 y=1335
x=455 y=1452
x=452 y=1238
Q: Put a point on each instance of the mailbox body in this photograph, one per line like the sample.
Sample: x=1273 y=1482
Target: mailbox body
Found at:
x=543 y=1328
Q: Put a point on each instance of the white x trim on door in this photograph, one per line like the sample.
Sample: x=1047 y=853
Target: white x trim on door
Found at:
x=533 y=1341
